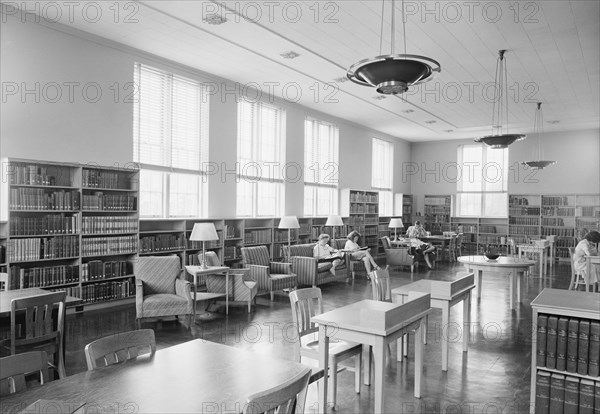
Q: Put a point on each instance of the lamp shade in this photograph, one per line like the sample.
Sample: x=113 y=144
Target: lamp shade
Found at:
x=289 y=222
x=396 y=223
x=204 y=232
x=334 y=221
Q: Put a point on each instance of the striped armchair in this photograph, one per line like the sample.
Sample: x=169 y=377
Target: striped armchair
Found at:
x=159 y=291
x=352 y=266
x=271 y=276
x=399 y=256
x=307 y=268
x=241 y=286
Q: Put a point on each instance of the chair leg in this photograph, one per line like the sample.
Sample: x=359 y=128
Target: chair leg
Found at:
x=357 y=372
x=139 y=323
x=272 y=296
x=333 y=377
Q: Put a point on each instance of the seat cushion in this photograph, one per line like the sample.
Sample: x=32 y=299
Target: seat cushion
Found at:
x=164 y=304
x=283 y=281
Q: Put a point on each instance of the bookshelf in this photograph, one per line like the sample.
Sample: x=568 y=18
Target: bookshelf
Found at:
x=437 y=213
x=162 y=237
x=3 y=242
x=362 y=210
x=384 y=230
x=407 y=210
x=70 y=227
x=233 y=229
x=304 y=232
x=564 y=351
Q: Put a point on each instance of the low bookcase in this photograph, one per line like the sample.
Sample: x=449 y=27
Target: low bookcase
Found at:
x=565 y=351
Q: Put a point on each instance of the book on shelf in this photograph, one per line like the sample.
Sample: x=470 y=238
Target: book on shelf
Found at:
x=571 y=405
x=594 y=354
x=561 y=343
x=551 y=341
x=586 y=396
x=542 y=392
x=557 y=393
x=583 y=347
x=542 y=325
x=572 y=342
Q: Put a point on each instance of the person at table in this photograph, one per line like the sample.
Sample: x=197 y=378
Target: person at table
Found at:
x=586 y=248
x=323 y=252
x=420 y=248
x=356 y=252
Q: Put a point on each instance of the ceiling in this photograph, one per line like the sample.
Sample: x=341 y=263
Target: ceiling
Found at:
x=553 y=55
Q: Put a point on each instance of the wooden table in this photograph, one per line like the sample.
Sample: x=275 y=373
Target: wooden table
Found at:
x=541 y=249
x=512 y=266
x=192 y=377
x=591 y=260
x=195 y=271
x=444 y=295
x=376 y=324
x=8 y=295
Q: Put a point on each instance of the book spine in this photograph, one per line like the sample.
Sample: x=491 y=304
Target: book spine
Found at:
x=572 y=342
x=571 y=395
x=542 y=393
x=551 y=342
x=597 y=398
x=586 y=397
x=561 y=344
x=583 y=347
x=557 y=393
x=542 y=325
x=594 y=352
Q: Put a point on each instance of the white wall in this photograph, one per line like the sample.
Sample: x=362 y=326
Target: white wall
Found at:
x=91 y=128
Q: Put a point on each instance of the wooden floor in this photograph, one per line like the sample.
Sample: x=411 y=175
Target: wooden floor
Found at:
x=492 y=377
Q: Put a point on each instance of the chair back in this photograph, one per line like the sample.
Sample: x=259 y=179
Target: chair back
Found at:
x=42 y=325
x=380 y=282
x=119 y=347
x=286 y=398
x=158 y=273
x=385 y=241
x=211 y=259
x=338 y=244
x=13 y=369
x=256 y=255
x=306 y=303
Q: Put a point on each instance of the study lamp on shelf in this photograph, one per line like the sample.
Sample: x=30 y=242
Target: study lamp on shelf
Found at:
x=289 y=222
x=396 y=223
x=204 y=232
x=334 y=221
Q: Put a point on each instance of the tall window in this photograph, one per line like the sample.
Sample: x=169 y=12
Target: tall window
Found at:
x=382 y=177
x=260 y=149
x=170 y=143
x=321 y=147
x=482 y=185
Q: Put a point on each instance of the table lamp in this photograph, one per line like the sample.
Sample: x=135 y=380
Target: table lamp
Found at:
x=334 y=221
x=204 y=232
x=289 y=222
x=394 y=224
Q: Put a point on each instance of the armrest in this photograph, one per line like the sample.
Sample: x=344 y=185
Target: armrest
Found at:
x=281 y=268
x=183 y=288
x=259 y=274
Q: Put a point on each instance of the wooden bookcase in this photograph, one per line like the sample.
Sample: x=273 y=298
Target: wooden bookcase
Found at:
x=407 y=210
x=384 y=230
x=362 y=210
x=70 y=227
x=437 y=213
x=577 y=306
x=233 y=231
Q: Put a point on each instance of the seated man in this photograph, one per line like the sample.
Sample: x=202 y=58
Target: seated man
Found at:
x=419 y=248
x=323 y=252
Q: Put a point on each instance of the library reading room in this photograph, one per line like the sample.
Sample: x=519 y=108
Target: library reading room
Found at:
x=346 y=206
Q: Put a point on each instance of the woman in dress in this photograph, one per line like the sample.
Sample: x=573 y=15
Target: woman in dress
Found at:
x=586 y=248
x=357 y=253
x=323 y=252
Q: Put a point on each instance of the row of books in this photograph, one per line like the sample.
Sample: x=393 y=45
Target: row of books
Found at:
x=232 y=232
x=364 y=209
x=553 y=221
x=437 y=209
x=43 y=248
x=565 y=394
x=558 y=211
x=232 y=252
x=112 y=202
x=100 y=179
x=41 y=199
x=49 y=224
x=103 y=291
x=568 y=344
x=210 y=244
x=528 y=231
x=588 y=211
x=556 y=201
x=524 y=220
x=29 y=174
x=524 y=211
x=161 y=243
x=558 y=231
x=20 y=278
x=96 y=246
x=564 y=242
x=257 y=236
x=467 y=228
x=109 y=224
x=518 y=201
x=98 y=270
x=364 y=198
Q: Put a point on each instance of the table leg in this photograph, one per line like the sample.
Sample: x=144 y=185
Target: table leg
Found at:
x=227 y=292
x=445 y=326
x=366 y=364
x=323 y=358
x=379 y=356
x=419 y=357
x=478 y=282
x=466 y=321
x=518 y=285
x=512 y=288
x=195 y=291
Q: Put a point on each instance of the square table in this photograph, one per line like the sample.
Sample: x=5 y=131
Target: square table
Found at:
x=541 y=248
x=373 y=323
x=444 y=295
x=195 y=271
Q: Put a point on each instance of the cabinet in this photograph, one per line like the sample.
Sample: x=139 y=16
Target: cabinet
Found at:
x=362 y=210
x=565 y=347
x=437 y=213
x=70 y=227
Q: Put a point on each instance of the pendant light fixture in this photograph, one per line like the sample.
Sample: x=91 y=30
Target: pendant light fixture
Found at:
x=500 y=137
x=393 y=74
x=538 y=130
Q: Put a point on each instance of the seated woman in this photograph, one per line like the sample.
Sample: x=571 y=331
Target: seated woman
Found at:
x=585 y=248
x=356 y=253
x=323 y=252
x=422 y=250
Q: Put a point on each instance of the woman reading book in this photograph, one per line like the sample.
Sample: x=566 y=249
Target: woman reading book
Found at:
x=356 y=252
x=323 y=252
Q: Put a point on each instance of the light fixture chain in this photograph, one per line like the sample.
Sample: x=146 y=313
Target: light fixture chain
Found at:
x=381 y=31
x=404 y=27
x=393 y=38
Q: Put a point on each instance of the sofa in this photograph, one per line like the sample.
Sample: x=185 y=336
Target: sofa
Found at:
x=306 y=267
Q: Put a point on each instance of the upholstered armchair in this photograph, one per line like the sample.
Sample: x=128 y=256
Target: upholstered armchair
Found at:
x=270 y=276
x=308 y=270
x=242 y=288
x=399 y=256
x=352 y=266
x=159 y=291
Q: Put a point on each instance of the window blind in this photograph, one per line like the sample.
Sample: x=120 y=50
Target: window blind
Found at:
x=382 y=174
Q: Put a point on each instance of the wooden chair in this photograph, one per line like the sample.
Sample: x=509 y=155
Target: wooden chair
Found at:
x=307 y=303
x=159 y=290
x=286 y=398
x=271 y=276
x=14 y=368
x=577 y=276
x=37 y=324
x=119 y=347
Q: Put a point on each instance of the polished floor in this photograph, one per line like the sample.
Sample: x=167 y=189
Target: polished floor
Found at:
x=492 y=377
